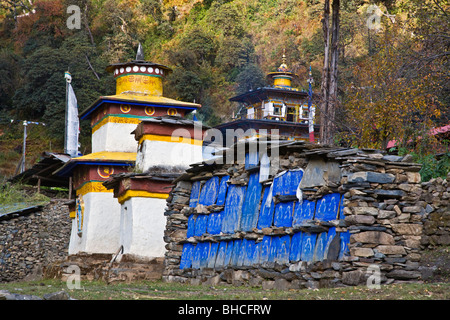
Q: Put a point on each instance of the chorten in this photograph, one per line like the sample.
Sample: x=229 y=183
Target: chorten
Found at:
x=139 y=96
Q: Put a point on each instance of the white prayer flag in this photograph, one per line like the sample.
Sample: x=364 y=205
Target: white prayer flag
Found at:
x=72 y=123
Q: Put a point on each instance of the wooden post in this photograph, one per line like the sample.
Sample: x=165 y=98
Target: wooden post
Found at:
x=70 y=188
x=39 y=185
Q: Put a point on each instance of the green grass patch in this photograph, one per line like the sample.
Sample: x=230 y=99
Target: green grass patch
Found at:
x=158 y=290
x=15 y=197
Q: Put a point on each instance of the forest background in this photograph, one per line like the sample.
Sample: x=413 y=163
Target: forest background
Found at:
x=393 y=65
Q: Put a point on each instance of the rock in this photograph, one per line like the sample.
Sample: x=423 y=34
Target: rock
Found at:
x=366 y=210
x=60 y=295
x=407 y=228
x=374 y=237
x=386 y=214
x=412 y=209
x=361 y=252
x=387 y=249
x=268 y=284
x=389 y=193
x=372 y=177
x=392 y=158
x=360 y=219
x=16 y=296
x=403 y=274
x=413 y=177
x=352 y=278
x=281 y=284
x=407 y=158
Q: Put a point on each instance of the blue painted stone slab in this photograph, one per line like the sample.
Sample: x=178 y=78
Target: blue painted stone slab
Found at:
x=250 y=207
x=279 y=184
x=327 y=207
x=266 y=211
x=223 y=187
x=273 y=252
x=204 y=253
x=295 y=177
x=195 y=192
x=233 y=208
x=251 y=160
x=341 y=208
x=229 y=253
x=215 y=222
x=242 y=253
x=256 y=254
x=308 y=245
x=296 y=247
x=196 y=256
x=283 y=249
x=235 y=254
x=287 y=183
x=249 y=252
x=200 y=225
x=283 y=214
x=221 y=253
x=209 y=192
x=302 y=212
x=191 y=226
x=212 y=254
x=321 y=244
x=345 y=240
x=265 y=249
x=186 y=256
x=330 y=236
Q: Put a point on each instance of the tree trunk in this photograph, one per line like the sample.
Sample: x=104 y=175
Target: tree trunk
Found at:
x=329 y=100
x=333 y=95
x=325 y=71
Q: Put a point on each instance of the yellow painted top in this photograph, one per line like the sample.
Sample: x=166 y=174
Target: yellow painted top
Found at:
x=107 y=156
x=146 y=98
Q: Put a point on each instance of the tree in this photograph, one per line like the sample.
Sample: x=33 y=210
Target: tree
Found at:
x=385 y=101
x=329 y=99
x=251 y=77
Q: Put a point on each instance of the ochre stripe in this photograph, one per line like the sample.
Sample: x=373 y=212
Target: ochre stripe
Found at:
x=92 y=186
x=143 y=194
x=156 y=137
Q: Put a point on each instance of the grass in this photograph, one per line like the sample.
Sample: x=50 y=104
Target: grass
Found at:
x=15 y=197
x=158 y=290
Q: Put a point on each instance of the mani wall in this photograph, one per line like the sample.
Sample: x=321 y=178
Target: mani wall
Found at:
x=324 y=217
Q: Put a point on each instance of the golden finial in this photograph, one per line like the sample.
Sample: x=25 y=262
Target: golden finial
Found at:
x=283 y=65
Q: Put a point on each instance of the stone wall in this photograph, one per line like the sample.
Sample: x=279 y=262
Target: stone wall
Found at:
x=435 y=200
x=383 y=211
x=30 y=242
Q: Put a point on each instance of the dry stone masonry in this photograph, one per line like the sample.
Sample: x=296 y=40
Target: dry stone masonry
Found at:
x=30 y=242
x=324 y=217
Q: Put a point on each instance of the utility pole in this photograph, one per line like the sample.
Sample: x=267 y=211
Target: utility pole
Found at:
x=25 y=124
x=21 y=166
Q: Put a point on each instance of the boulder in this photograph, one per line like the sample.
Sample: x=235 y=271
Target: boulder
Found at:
x=375 y=237
x=388 y=249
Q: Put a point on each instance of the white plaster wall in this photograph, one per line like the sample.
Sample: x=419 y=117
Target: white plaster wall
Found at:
x=114 y=137
x=161 y=153
x=101 y=225
x=268 y=109
x=142 y=227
